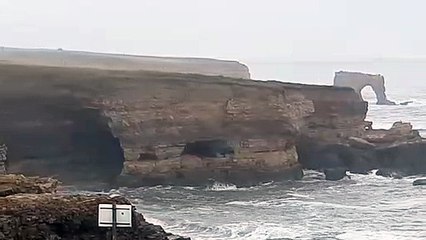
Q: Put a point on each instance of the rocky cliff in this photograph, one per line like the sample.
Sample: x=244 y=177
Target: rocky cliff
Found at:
x=151 y=127
x=32 y=211
x=359 y=81
x=78 y=59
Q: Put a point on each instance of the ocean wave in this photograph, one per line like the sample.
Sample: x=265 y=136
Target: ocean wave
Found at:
x=375 y=235
x=217 y=186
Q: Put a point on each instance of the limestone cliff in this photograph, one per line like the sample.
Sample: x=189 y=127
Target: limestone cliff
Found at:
x=359 y=81
x=152 y=128
x=62 y=58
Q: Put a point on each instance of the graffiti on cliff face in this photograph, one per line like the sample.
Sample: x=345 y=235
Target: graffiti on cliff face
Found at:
x=359 y=81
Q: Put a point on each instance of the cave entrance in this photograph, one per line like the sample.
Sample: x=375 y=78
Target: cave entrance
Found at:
x=57 y=137
x=209 y=149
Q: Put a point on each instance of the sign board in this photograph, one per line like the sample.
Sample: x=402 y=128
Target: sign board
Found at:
x=123 y=215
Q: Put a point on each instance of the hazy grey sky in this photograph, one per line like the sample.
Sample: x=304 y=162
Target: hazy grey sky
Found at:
x=234 y=29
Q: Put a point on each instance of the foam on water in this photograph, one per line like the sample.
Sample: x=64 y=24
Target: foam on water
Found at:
x=217 y=186
x=364 y=207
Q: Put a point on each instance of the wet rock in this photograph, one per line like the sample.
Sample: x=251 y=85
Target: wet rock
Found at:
x=389 y=173
x=335 y=174
x=405 y=103
x=328 y=156
x=406 y=158
x=419 y=182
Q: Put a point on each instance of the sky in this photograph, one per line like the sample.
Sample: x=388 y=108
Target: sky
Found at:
x=250 y=30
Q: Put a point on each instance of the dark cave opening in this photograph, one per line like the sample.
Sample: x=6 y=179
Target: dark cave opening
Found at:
x=58 y=137
x=209 y=148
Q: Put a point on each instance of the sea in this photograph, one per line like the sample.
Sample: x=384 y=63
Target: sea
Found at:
x=363 y=207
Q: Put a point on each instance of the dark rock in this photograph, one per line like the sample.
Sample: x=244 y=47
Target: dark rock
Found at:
x=406 y=158
x=52 y=216
x=320 y=156
x=405 y=103
x=394 y=161
x=419 y=182
x=335 y=174
x=389 y=173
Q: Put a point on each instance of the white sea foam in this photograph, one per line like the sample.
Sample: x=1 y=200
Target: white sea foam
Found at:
x=217 y=186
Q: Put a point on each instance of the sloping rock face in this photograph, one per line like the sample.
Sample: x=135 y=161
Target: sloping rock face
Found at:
x=153 y=128
x=77 y=59
x=358 y=81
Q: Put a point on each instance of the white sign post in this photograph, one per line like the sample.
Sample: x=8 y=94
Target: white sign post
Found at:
x=112 y=215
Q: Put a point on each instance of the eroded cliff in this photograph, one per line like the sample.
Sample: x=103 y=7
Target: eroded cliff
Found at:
x=79 y=59
x=152 y=128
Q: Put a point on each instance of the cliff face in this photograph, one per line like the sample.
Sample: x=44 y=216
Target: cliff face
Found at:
x=156 y=128
x=77 y=59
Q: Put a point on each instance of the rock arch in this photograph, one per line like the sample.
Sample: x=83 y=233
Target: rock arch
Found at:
x=359 y=81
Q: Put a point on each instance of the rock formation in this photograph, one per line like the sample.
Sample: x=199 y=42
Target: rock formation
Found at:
x=63 y=216
x=153 y=128
x=419 y=182
x=62 y=58
x=14 y=184
x=397 y=151
x=358 y=81
x=146 y=128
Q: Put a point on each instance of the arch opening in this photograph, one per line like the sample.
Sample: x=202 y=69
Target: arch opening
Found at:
x=367 y=93
x=358 y=81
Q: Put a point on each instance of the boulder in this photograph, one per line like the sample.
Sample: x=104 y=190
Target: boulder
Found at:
x=384 y=172
x=419 y=182
x=335 y=174
x=405 y=103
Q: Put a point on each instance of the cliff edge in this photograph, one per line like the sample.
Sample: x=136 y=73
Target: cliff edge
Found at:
x=165 y=128
x=80 y=59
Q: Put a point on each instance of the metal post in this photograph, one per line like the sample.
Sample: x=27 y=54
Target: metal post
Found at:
x=114 y=222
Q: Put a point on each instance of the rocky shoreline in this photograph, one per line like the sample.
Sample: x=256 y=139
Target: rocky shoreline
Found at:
x=30 y=209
